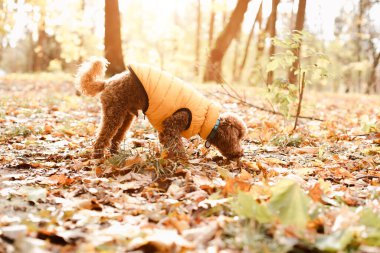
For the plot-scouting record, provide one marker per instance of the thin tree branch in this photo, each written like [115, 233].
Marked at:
[300, 96]
[243, 101]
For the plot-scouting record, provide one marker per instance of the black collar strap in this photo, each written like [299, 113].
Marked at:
[212, 134]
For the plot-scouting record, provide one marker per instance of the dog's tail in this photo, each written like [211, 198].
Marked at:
[90, 77]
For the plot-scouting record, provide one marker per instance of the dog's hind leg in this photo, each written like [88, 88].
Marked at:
[118, 138]
[111, 122]
[170, 137]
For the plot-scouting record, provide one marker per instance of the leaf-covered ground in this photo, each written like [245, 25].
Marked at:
[316, 190]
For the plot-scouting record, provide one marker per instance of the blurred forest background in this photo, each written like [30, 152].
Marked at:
[309, 180]
[198, 40]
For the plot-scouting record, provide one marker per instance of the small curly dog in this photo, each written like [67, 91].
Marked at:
[173, 107]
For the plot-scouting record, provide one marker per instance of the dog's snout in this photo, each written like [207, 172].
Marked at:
[235, 155]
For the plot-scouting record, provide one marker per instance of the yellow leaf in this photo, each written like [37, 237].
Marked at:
[274, 161]
[244, 175]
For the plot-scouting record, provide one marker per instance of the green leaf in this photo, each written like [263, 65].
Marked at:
[369, 218]
[336, 241]
[372, 237]
[224, 173]
[290, 203]
[272, 65]
[370, 127]
[246, 206]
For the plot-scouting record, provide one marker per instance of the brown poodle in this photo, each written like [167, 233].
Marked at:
[174, 108]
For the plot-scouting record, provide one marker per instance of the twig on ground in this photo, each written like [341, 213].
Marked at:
[368, 177]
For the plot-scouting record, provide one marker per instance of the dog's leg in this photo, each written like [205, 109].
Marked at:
[118, 138]
[170, 137]
[111, 122]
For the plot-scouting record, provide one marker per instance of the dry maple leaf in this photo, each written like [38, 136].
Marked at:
[61, 179]
[234, 184]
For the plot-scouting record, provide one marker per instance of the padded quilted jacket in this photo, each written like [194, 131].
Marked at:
[168, 94]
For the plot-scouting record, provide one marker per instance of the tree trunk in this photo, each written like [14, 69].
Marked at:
[371, 86]
[359, 21]
[212, 24]
[271, 27]
[38, 51]
[112, 38]
[214, 63]
[198, 37]
[236, 56]
[249, 39]
[298, 27]
[260, 45]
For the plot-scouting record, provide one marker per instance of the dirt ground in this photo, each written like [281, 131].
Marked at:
[55, 198]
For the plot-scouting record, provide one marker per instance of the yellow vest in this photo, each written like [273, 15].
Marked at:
[167, 94]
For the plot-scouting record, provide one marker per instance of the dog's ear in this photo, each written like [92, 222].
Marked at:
[236, 122]
[242, 128]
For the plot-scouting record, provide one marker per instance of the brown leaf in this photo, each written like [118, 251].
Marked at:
[245, 175]
[98, 172]
[316, 193]
[234, 184]
[342, 173]
[48, 129]
[250, 165]
[263, 169]
[135, 160]
[61, 179]
[273, 161]
[68, 132]
[90, 204]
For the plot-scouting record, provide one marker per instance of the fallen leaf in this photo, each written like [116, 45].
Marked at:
[135, 160]
[316, 193]
[306, 150]
[290, 203]
[245, 205]
[245, 175]
[48, 129]
[336, 241]
[233, 185]
[61, 179]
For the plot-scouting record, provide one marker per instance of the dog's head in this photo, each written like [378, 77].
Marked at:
[228, 136]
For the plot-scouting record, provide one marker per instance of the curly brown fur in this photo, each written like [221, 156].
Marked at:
[119, 137]
[123, 96]
[227, 139]
[88, 75]
[171, 137]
